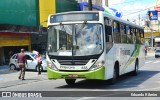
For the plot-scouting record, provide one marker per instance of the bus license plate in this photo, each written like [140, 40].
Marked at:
[72, 75]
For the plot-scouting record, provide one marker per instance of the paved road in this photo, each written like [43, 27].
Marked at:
[147, 80]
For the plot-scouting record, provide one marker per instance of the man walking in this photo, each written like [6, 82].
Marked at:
[21, 63]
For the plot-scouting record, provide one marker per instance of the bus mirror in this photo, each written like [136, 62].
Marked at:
[108, 30]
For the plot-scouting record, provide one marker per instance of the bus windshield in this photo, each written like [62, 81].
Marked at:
[75, 39]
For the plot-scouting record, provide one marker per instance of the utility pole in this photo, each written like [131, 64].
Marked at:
[90, 5]
[106, 3]
[139, 19]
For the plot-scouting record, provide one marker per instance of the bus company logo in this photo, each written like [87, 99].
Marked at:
[6, 94]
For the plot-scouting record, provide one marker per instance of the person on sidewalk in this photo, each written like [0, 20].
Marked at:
[39, 62]
[145, 51]
[21, 59]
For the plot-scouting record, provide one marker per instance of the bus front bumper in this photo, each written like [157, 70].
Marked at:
[96, 74]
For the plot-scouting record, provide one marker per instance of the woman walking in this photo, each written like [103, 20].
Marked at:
[39, 62]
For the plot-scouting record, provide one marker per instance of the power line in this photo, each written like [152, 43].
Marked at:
[124, 2]
[138, 11]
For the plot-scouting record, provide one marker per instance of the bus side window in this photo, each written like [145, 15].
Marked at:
[108, 33]
[123, 33]
[142, 36]
[116, 32]
[129, 35]
[138, 37]
[108, 30]
[133, 35]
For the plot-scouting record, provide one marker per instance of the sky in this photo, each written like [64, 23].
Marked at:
[131, 9]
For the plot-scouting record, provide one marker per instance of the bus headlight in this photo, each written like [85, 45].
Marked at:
[97, 65]
[51, 65]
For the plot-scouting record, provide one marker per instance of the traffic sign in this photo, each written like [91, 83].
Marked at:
[153, 15]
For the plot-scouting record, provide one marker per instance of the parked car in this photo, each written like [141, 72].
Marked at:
[31, 61]
[157, 53]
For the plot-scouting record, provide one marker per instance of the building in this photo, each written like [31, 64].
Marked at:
[151, 30]
[20, 21]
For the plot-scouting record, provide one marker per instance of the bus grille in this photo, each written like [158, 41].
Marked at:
[73, 62]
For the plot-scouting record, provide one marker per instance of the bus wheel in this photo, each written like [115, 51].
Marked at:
[70, 81]
[115, 76]
[135, 72]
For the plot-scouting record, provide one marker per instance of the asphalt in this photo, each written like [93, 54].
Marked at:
[8, 79]
[150, 53]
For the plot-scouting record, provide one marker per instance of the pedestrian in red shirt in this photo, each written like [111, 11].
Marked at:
[21, 63]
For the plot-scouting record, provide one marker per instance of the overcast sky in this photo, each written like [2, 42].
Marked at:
[132, 8]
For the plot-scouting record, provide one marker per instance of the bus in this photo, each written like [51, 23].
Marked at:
[92, 45]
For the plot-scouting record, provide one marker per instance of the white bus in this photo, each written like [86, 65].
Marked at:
[92, 45]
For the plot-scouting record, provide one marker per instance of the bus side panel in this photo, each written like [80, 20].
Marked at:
[109, 65]
[142, 56]
[130, 53]
[126, 55]
[135, 52]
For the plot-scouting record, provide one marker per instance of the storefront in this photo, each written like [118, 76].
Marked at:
[27, 16]
[13, 42]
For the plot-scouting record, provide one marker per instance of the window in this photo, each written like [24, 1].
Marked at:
[123, 34]
[108, 30]
[14, 56]
[138, 36]
[142, 36]
[129, 35]
[133, 35]
[28, 57]
[116, 32]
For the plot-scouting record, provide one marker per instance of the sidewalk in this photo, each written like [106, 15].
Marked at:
[10, 77]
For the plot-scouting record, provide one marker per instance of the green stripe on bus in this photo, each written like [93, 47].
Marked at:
[133, 56]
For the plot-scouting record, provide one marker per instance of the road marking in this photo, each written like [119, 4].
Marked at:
[150, 89]
[152, 62]
[156, 62]
[85, 98]
[148, 61]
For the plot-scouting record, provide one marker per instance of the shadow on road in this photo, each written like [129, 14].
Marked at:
[124, 81]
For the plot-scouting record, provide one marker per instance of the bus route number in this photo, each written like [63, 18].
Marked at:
[84, 67]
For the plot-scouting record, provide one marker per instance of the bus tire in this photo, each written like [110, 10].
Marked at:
[70, 81]
[135, 72]
[115, 76]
